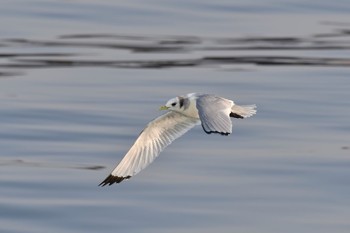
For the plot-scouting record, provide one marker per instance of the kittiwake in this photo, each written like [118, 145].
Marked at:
[211, 111]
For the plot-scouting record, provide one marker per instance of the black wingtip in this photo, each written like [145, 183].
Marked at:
[217, 132]
[113, 179]
[235, 115]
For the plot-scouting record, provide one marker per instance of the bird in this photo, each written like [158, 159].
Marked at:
[183, 113]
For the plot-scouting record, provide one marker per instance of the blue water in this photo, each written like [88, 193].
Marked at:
[80, 79]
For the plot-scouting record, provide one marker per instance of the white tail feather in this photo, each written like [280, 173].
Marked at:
[245, 110]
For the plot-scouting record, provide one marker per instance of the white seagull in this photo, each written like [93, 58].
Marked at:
[213, 112]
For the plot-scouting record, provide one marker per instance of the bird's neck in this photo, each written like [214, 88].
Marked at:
[191, 111]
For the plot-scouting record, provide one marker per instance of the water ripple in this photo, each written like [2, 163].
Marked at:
[145, 51]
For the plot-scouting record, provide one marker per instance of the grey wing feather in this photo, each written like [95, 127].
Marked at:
[214, 113]
[157, 135]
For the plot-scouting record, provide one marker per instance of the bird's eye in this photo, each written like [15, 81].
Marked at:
[173, 104]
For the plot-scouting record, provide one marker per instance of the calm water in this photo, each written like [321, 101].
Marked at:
[80, 79]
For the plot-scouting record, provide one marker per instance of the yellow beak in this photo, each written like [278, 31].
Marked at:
[164, 108]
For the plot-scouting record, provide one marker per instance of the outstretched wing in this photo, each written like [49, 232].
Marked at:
[157, 135]
[214, 113]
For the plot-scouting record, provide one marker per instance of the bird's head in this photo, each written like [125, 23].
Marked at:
[173, 104]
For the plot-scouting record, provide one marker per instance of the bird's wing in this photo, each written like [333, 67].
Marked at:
[214, 113]
[157, 135]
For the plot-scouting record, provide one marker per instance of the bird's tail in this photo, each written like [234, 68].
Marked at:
[243, 111]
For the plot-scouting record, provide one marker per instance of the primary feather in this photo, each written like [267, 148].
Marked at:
[157, 135]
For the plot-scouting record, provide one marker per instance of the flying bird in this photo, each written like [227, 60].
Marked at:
[184, 112]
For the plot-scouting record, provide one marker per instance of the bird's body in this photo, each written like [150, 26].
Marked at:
[185, 112]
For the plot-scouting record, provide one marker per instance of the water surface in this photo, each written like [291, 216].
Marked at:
[80, 79]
